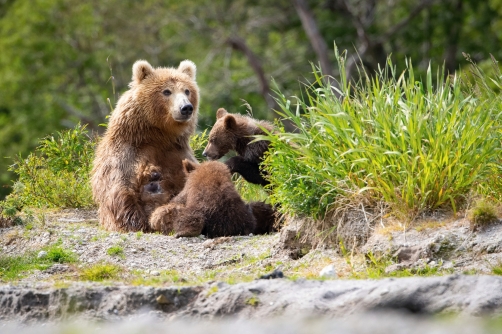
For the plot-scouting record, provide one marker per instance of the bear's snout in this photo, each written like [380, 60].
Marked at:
[186, 110]
[155, 176]
[211, 153]
[153, 188]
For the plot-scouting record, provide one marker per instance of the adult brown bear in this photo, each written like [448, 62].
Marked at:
[138, 163]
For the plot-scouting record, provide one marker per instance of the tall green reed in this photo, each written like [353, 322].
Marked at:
[391, 137]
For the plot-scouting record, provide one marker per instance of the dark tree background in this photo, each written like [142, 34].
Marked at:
[66, 61]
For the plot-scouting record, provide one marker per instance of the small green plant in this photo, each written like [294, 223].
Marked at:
[198, 143]
[253, 301]
[165, 277]
[55, 175]
[15, 267]
[483, 213]
[100, 272]
[139, 234]
[497, 269]
[212, 290]
[60, 255]
[115, 251]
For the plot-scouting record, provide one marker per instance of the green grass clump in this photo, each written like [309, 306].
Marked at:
[60, 255]
[100, 272]
[166, 277]
[483, 213]
[115, 251]
[198, 143]
[55, 175]
[497, 270]
[253, 301]
[15, 267]
[390, 137]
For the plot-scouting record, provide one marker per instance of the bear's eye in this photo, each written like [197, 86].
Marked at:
[187, 92]
[166, 92]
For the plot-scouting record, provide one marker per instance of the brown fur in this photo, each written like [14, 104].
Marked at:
[265, 216]
[208, 204]
[235, 132]
[146, 140]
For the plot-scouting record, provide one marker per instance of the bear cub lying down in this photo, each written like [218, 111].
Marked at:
[235, 132]
[210, 205]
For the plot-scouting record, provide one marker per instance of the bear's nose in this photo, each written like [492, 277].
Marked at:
[187, 109]
[204, 154]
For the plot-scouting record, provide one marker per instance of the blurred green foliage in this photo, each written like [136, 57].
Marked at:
[61, 60]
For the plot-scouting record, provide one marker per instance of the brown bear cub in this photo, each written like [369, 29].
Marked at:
[208, 205]
[138, 164]
[235, 132]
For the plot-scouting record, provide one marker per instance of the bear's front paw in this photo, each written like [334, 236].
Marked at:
[233, 164]
[162, 220]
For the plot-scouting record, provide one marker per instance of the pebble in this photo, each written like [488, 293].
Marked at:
[133, 250]
[328, 272]
[42, 254]
[154, 273]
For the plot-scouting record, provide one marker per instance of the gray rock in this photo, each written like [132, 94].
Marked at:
[464, 295]
[328, 272]
[42, 254]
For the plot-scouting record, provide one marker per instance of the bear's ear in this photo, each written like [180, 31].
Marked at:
[140, 70]
[188, 166]
[220, 113]
[230, 122]
[188, 67]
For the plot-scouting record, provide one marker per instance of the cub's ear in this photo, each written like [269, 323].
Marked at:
[230, 122]
[140, 70]
[188, 67]
[188, 166]
[220, 113]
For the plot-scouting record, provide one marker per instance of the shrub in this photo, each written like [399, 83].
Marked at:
[482, 213]
[115, 251]
[390, 137]
[60, 255]
[55, 175]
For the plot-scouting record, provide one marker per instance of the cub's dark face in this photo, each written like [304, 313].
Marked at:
[222, 137]
[220, 143]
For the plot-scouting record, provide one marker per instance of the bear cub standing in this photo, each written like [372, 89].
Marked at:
[210, 205]
[235, 132]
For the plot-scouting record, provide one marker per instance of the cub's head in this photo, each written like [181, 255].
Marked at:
[223, 136]
[168, 97]
[206, 173]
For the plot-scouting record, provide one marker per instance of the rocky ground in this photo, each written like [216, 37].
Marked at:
[161, 277]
